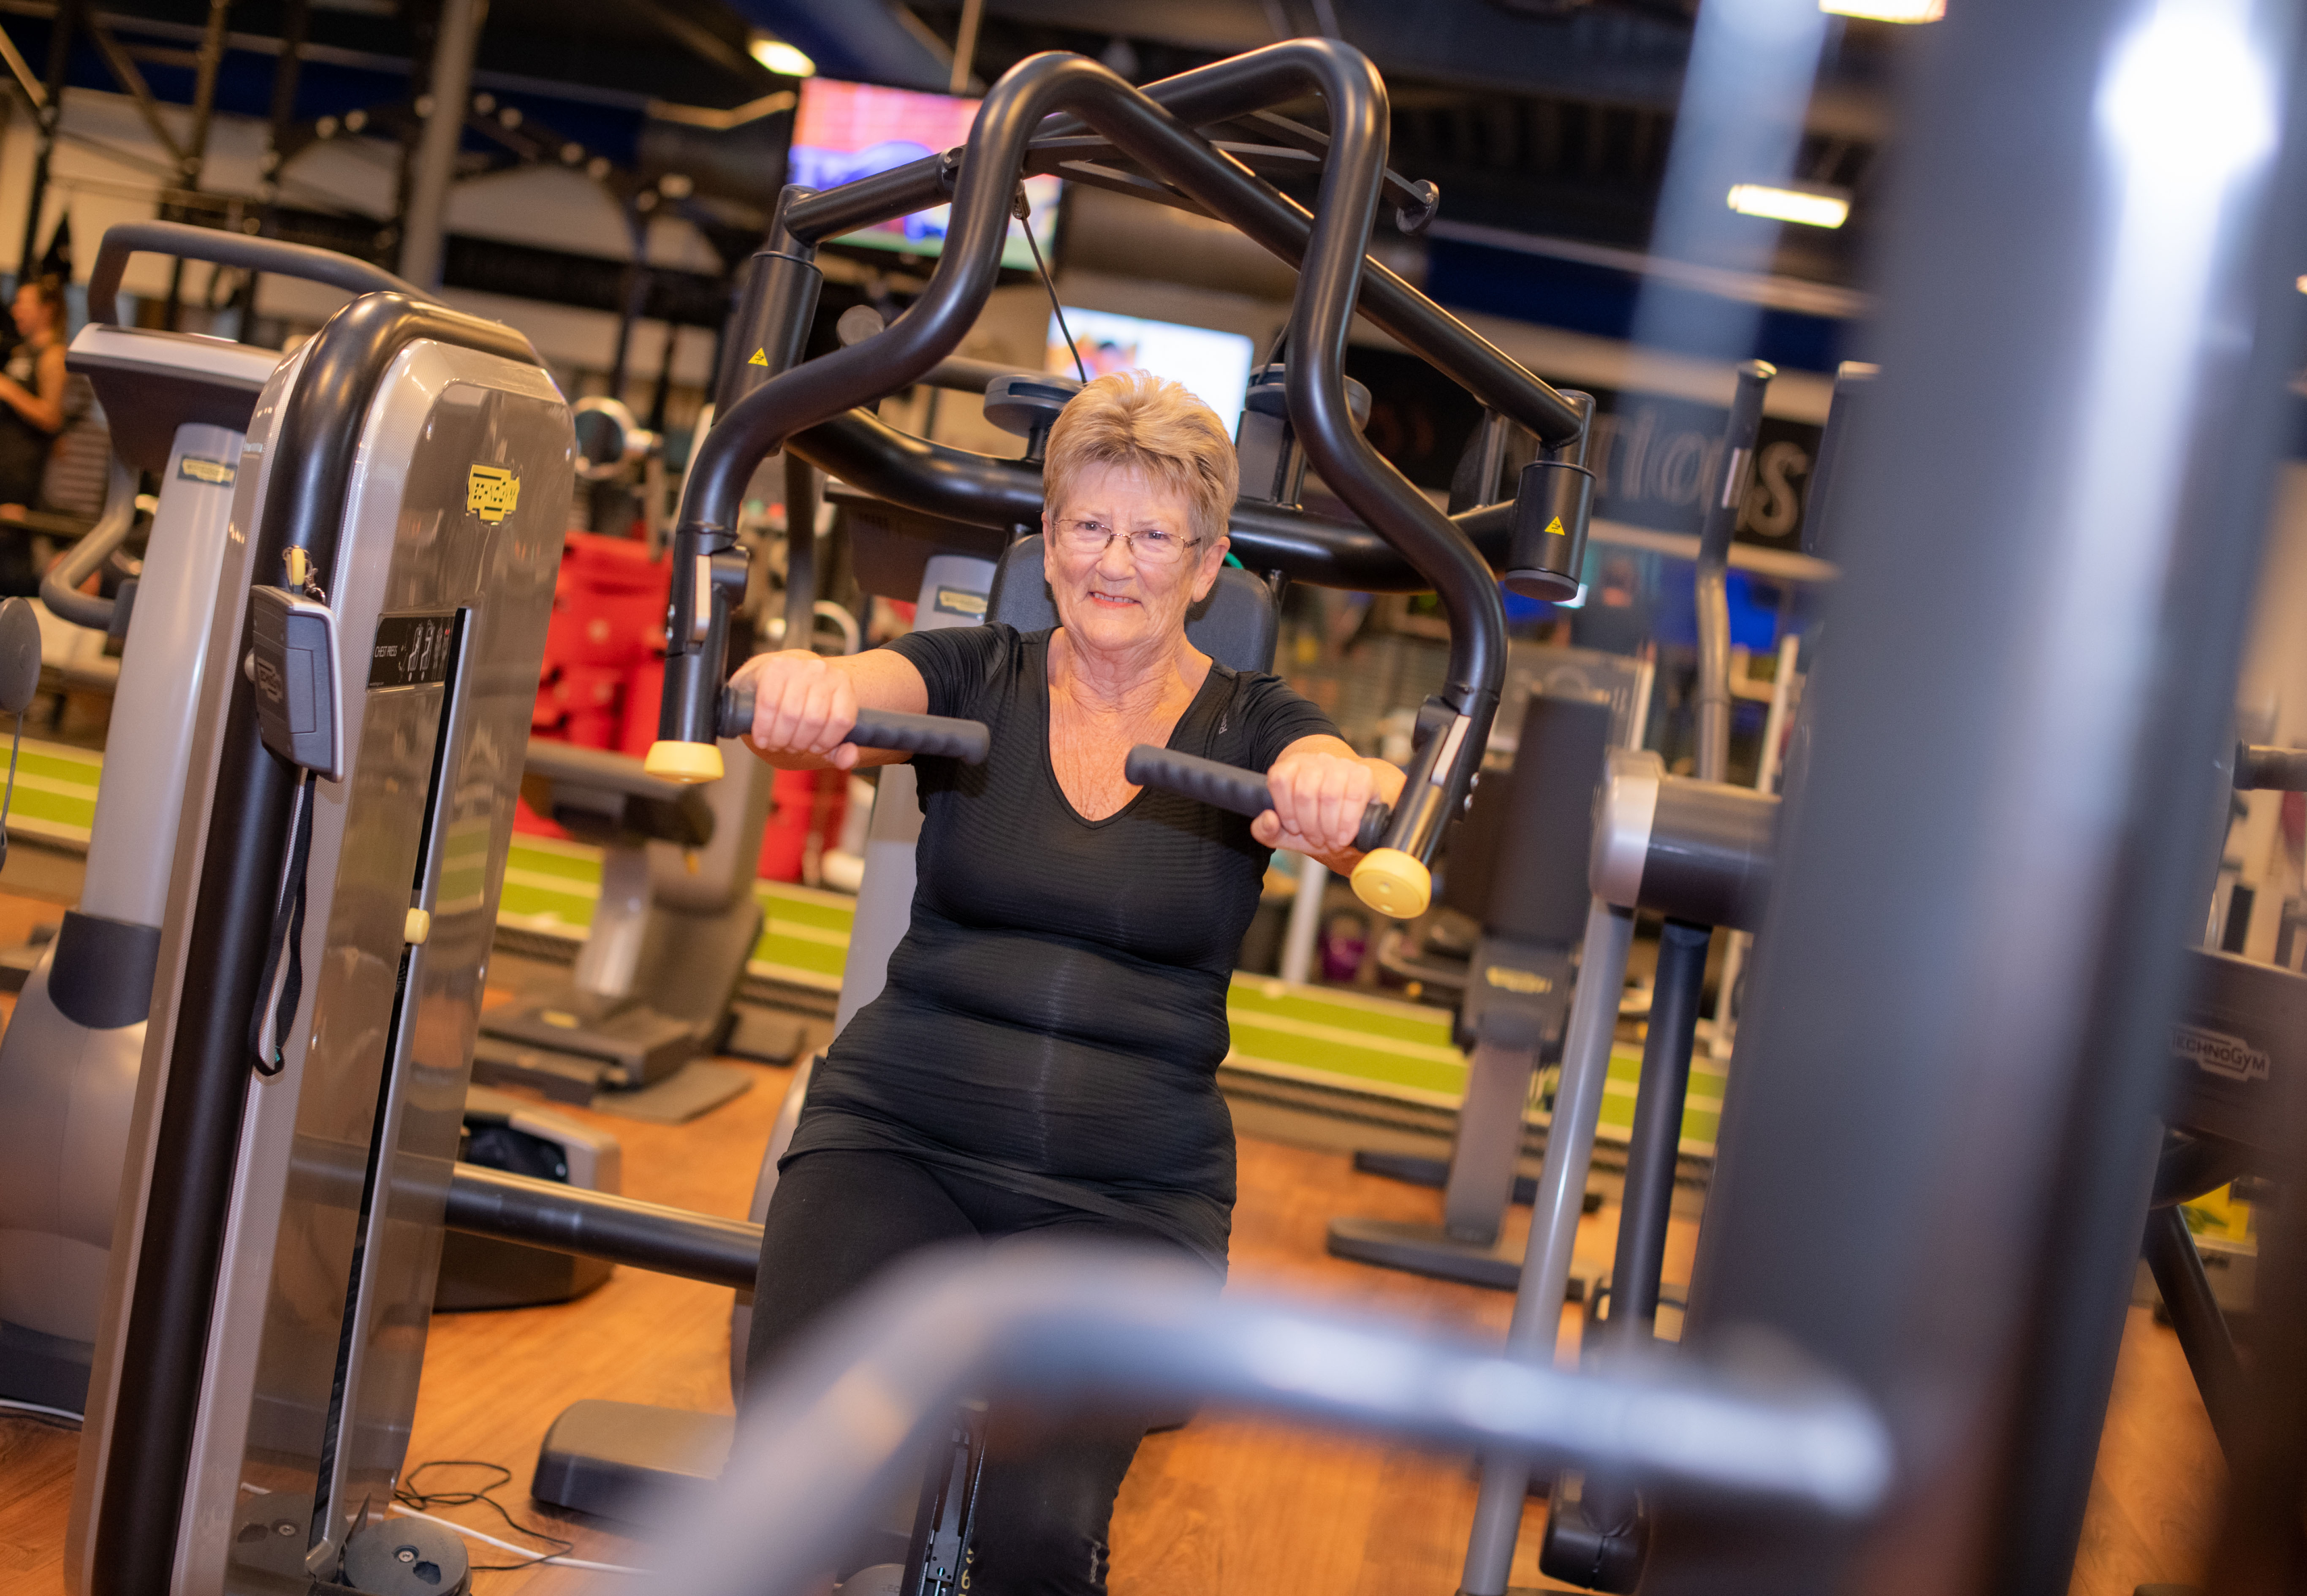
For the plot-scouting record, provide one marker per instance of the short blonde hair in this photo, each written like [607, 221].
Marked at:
[1139, 421]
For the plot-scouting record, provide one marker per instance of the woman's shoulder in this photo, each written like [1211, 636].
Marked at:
[1262, 714]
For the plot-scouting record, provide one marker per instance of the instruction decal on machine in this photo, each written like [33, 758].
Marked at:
[490, 491]
[1557, 528]
[960, 601]
[217, 473]
[759, 357]
[412, 649]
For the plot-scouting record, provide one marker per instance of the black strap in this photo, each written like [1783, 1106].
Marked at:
[287, 945]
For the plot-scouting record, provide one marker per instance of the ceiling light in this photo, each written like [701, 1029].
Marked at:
[1810, 208]
[782, 58]
[1887, 11]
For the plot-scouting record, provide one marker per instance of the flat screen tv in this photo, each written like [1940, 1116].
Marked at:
[1216, 366]
[844, 131]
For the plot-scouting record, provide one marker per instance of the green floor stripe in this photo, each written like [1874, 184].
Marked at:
[74, 814]
[1355, 1041]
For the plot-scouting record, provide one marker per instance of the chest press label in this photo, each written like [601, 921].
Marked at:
[215, 473]
[491, 493]
[960, 601]
[2215, 1053]
[411, 650]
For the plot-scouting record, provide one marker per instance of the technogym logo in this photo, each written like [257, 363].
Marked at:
[2214, 1052]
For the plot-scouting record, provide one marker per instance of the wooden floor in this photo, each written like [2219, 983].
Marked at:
[1225, 1507]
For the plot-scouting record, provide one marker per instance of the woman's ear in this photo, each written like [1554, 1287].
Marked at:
[1212, 562]
[1049, 549]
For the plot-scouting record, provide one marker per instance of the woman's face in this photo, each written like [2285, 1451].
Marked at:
[30, 311]
[1113, 591]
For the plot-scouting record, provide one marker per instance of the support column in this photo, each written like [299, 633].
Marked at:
[64, 31]
[425, 227]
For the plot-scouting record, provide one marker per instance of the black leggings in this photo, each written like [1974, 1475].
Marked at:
[837, 1221]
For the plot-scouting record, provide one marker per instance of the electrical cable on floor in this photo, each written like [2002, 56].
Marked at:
[10, 1408]
[558, 1559]
[407, 1500]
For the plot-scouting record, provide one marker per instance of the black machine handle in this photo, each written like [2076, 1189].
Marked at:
[1230, 787]
[275, 256]
[967, 741]
[2262, 768]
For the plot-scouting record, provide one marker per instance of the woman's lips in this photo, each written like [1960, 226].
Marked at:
[1110, 600]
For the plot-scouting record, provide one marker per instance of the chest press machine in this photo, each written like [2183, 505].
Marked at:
[291, 1214]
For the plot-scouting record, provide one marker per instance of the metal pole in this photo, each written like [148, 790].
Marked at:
[1555, 1212]
[47, 112]
[194, 154]
[295, 22]
[1982, 892]
[1305, 927]
[1766, 780]
[1655, 1142]
[435, 166]
[801, 551]
[2201, 1327]
[964, 44]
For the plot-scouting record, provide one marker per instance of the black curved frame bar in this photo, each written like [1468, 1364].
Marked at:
[1332, 256]
[276, 256]
[982, 490]
[164, 1342]
[1220, 92]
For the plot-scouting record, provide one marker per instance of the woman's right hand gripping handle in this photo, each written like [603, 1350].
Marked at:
[799, 705]
[1244, 793]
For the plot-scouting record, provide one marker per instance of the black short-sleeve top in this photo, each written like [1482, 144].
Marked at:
[1056, 1013]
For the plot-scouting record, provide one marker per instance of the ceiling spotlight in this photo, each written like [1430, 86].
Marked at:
[782, 58]
[1887, 11]
[1805, 206]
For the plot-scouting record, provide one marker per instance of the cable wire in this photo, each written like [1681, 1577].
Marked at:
[1023, 212]
[409, 1500]
[558, 1559]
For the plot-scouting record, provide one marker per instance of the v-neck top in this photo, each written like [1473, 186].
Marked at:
[1055, 1015]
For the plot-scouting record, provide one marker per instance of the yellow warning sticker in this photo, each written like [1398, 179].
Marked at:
[1555, 527]
[759, 357]
[490, 491]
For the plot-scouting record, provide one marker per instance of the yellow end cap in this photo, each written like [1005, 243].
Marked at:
[685, 763]
[416, 928]
[1394, 883]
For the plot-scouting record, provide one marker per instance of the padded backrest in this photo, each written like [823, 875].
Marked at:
[1236, 625]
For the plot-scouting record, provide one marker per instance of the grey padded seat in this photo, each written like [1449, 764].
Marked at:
[1236, 625]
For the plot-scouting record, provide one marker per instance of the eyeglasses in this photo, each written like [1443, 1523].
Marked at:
[1153, 548]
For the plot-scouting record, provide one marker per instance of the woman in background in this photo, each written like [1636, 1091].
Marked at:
[31, 415]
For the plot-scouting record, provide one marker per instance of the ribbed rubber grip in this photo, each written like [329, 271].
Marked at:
[967, 741]
[1228, 787]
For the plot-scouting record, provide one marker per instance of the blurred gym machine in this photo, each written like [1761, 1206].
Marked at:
[1517, 862]
[359, 723]
[656, 982]
[178, 406]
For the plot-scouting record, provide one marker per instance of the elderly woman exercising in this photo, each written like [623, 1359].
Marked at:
[1043, 1059]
